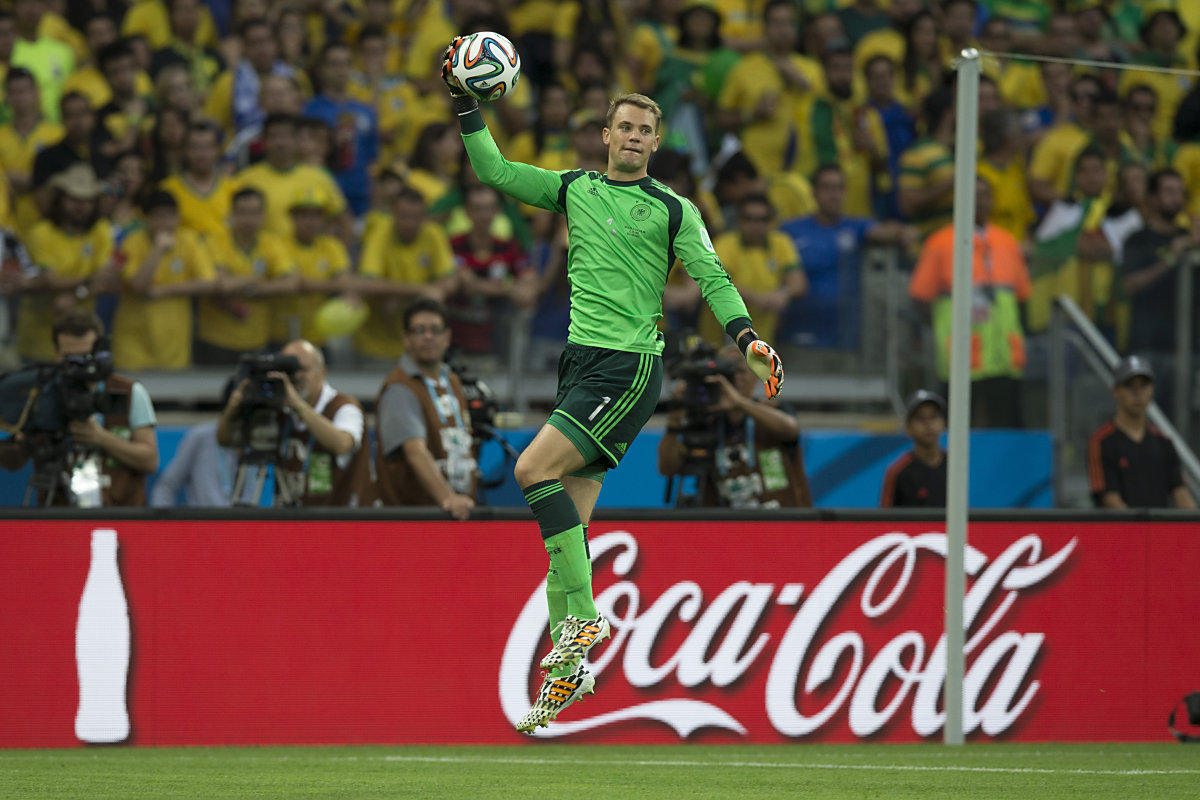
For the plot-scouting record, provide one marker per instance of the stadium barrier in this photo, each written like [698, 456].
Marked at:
[286, 628]
[845, 468]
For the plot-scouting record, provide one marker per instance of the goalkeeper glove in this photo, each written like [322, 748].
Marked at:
[763, 361]
[463, 102]
[456, 88]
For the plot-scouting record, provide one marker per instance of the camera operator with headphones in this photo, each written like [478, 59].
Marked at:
[743, 452]
[321, 454]
[119, 437]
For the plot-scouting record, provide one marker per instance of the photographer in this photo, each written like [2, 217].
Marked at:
[744, 452]
[121, 436]
[426, 452]
[322, 453]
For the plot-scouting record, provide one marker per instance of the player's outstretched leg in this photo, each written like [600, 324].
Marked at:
[555, 695]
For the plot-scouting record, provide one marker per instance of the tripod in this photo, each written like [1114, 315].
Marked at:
[260, 461]
[55, 458]
[699, 467]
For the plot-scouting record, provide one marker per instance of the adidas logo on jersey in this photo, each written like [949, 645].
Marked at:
[621, 447]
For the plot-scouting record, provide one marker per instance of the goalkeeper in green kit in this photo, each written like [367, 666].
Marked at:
[625, 231]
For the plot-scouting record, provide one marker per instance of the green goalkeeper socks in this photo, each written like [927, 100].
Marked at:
[556, 603]
[568, 558]
[563, 537]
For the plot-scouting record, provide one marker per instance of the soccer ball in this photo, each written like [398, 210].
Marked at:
[487, 65]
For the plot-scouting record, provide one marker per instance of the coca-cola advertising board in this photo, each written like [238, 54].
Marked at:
[224, 632]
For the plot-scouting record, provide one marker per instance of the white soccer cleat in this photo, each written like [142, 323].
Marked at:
[577, 637]
[555, 695]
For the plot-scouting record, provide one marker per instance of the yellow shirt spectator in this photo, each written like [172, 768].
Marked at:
[926, 163]
[1053, 157]
[17, 154]
[67, 256]
[757, 269]
[403, 113]
[741, 20]
[1011, 207]
[149, 18]
[280, 186]
[424, 260]
[89, 82]
[1187, 163]
[791, 195]
[156, 333]
[324, 260]
[754, 80]
[250, 329]
[204, 213]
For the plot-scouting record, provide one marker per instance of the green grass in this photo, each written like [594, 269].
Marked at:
[744, 772]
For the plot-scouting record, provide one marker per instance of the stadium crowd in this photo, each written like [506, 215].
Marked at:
[207, 176]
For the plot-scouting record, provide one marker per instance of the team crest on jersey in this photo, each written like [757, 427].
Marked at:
[176, 266]
[708, 245]
[640, 212]
[260, 266]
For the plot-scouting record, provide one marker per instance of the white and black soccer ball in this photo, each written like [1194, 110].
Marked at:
[487, 65]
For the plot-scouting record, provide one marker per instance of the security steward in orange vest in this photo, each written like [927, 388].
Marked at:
[325, 458]
[122, 436]
[427, 455]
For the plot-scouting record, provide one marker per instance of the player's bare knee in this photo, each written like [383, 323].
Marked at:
[528, 472]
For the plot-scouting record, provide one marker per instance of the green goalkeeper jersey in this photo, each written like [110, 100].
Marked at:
[623, 239]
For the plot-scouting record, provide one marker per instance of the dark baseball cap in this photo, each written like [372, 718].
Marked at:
[1131, 367]
[920, 398]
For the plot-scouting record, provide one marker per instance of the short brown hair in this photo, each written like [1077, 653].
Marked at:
[633, 99]
[76, 323]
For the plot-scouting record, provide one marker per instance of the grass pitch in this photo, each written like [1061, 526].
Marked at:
[630, 773]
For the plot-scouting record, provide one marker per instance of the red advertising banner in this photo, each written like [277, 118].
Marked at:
[429, 632]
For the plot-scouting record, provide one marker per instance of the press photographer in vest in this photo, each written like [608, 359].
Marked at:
[323, 457]
[103, 459]
[426, 450]
[742, 452]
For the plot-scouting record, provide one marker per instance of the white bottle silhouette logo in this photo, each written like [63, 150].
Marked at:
[102, 647]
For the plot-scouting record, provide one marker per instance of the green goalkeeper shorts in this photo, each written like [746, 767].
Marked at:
[604, 399]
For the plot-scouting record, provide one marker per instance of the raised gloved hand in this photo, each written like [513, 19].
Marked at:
[764, 362]
[456, 88]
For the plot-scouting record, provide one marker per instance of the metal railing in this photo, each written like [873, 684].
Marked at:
[1069, 325]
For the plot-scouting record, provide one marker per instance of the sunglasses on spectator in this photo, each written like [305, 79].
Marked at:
[430, 330]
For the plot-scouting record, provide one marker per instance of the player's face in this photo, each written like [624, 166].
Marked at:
[631, 139]
[1134, 396]
[926, 424]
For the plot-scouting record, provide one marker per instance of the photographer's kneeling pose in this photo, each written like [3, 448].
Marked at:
[283, 412]
[728, 447]
[89, 431]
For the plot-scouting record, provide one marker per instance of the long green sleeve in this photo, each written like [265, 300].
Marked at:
[529, 184]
